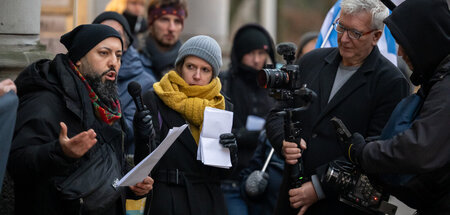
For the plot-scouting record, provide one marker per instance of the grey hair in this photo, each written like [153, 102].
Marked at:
[375, 7]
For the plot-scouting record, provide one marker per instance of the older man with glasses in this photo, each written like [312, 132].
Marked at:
[355, 83]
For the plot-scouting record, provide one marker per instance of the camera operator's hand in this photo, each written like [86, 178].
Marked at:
[143, 126]
[229, 141]
[291, 151]
[355, 147]
[303, 197]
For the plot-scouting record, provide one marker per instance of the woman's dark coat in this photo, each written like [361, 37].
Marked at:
[183, 185]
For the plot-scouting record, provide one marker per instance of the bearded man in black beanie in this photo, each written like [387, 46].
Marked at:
[252, 49]
[69, 112]
[131, 69]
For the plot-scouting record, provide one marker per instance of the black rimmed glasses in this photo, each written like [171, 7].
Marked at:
[352, 33]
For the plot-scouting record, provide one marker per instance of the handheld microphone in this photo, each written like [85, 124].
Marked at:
[135, 89]
[257, 181]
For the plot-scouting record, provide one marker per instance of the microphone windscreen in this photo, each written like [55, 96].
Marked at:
[286, 48]
[256, 184]
[134, 89]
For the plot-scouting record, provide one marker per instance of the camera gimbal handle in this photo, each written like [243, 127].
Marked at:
[292, 130]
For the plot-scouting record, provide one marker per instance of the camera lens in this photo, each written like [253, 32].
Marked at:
[272, 78]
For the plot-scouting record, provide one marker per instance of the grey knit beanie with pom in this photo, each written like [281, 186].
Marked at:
[203, 47]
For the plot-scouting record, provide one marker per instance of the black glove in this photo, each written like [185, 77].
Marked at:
[143, 127]
[229, 141]
[355, 147]
[256, 183]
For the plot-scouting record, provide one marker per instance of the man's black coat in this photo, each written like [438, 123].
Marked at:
[50, 93]
[183, 184]
[364, 103]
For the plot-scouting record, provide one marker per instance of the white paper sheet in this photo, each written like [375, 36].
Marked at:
[255, 123]
[210, 151]
[143, 168]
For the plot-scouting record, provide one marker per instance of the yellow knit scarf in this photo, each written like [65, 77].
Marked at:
[189, 101]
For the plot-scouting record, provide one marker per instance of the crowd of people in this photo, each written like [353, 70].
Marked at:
[77, 130]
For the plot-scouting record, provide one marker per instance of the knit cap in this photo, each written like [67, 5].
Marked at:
[83, 38]
[250, 39]
[203, 47]
[111, 15]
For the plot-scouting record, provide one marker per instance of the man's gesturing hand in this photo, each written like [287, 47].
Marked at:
[78, 145]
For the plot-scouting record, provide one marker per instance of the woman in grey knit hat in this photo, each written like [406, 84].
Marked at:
[183, 185]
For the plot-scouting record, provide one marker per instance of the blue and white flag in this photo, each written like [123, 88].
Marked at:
[328, 36]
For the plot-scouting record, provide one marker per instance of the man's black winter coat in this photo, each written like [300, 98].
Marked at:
[364, 103]
[51, 93]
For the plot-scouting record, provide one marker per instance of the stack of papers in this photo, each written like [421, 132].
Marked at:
[210, 151]
[143, 169]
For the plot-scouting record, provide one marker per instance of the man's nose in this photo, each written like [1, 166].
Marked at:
[345, 36]
[172, 25]
[114, 62]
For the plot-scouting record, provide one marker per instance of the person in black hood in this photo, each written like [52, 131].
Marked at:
[134, 13]
[68, 113]
[422, 150]
[252, 49]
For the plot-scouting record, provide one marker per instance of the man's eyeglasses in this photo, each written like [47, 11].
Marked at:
[352, 33]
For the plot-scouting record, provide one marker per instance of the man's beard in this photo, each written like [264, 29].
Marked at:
[163, 44]
[106, 91]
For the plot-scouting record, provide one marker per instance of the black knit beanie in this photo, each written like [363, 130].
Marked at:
[108, 15]
[249, 40]
[83, 38]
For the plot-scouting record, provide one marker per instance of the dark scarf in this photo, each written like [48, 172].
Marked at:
[104, 112]
[247, 74]
[161, 61]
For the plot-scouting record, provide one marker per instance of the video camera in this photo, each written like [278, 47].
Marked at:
[285, 85]
[354, 187]
[284, 81]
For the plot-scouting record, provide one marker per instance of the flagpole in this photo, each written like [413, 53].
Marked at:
[329, 31]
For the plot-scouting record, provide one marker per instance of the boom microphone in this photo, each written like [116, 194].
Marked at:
[135, 89]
